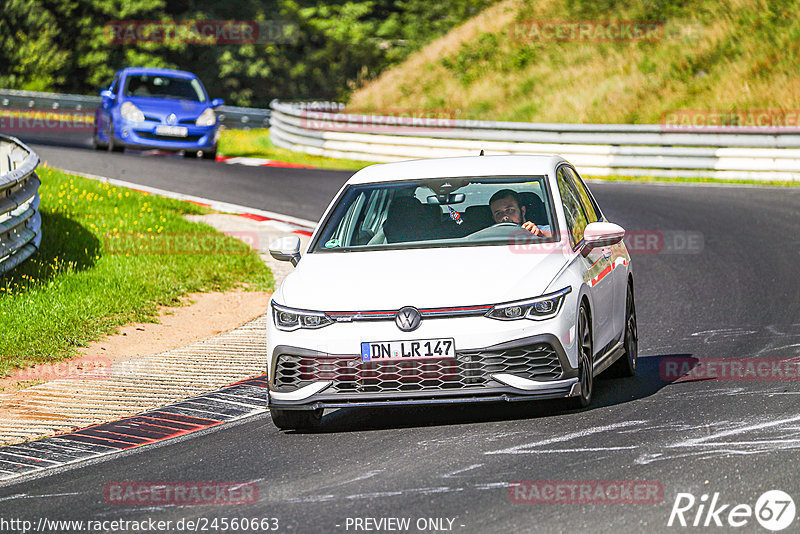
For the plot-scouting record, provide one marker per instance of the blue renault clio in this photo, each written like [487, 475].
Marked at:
[157, 108]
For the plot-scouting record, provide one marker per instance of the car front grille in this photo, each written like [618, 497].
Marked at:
[468, 370]
[150, 135]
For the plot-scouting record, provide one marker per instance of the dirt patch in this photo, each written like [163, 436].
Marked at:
[204, 316]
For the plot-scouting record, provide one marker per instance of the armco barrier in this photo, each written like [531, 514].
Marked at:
[229, 116]
[595, 149]
[20, 222]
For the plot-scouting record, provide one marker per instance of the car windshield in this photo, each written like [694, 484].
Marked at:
[438, 212]
[164, 87]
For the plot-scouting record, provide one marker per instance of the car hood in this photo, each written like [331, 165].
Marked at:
[423, 278]
[160, 108]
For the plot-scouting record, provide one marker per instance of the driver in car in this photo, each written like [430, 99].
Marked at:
[506, 207]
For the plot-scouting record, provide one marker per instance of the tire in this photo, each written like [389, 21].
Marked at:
[96, 144]
[210, 154]
[625, 366]
[190, 154]
[585, 361]
[296, 419]
[113, 146]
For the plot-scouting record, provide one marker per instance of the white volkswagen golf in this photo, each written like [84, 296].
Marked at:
[473, 279]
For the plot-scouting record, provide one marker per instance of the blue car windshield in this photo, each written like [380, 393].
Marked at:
[148, 86]
[441, 212]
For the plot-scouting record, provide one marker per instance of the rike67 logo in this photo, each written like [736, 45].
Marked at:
[774, 510]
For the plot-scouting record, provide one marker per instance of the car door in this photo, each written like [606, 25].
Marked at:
[616, 255]
[595, 265]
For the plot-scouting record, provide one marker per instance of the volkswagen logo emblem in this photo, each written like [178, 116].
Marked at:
[407, 319]
[171, 118]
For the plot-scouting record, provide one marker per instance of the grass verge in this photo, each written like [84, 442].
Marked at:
[257, 144]
[110, 256]
[729, 59]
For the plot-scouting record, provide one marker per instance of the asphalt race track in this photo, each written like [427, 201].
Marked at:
[728, 289]
[291, 191]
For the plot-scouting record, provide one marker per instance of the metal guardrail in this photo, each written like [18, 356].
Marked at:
[20, 222]
[229, 116]
[325, 129]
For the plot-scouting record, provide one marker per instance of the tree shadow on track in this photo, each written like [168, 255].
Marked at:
[649, 379]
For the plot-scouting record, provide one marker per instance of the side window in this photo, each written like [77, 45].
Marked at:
[592, 214]
[573, 211]
[344, 232]
[373, 217]
[362, 220]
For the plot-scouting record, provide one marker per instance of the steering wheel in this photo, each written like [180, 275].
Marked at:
[489, 229]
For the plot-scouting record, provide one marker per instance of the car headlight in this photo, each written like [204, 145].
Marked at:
[130, 112]
[291, 319]
[539, 308]
[207, 118]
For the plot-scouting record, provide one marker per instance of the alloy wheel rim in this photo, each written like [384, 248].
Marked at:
[585, 356]
[632, 344]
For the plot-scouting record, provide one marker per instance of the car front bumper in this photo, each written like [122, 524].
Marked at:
[501, 372]
[143, 135]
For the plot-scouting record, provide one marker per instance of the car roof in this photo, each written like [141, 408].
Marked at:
[157, 71]
[522, 165]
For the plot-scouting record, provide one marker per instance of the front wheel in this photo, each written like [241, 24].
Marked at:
[96, 143]
[626, 364]
[585, 361]
[209, 154]
[296, 419]
[113, 145]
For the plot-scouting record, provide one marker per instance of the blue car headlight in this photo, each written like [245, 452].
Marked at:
[289, 319]
[130, 112]
[539, 308]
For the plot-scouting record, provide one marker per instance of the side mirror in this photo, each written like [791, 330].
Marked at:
[602, 234]
[217, 102]
[286, 249]
[107, 94]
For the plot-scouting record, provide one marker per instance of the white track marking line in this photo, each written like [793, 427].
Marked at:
[522, 449]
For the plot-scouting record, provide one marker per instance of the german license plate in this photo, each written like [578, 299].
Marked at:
[418, 349]
[173, 131]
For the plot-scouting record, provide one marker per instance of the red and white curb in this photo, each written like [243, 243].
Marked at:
[261, 162]
[282, 222]
[237, 160]
[244, 399]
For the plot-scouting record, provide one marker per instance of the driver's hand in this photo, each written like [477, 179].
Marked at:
[535, 230]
